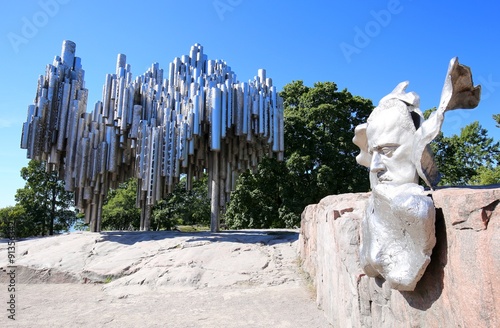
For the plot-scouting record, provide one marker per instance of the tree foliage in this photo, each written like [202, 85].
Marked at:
[260, 199]
[496, 117]
[43, 205]
[469, 158]
[119, 211]
[318, 138]
[181, 207]
[489, 175]
[486, 176]
[319, 158]
[14, 217]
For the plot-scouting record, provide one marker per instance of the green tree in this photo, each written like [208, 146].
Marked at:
[119, 211]
[189, 207]
[260, 199]
[47, 206]
[486, 176]
[496, 117]
[182, 206]
[318, 138]
[469, 158]
[319, 158]
[198, 202]
[80, 224]
[14, 217]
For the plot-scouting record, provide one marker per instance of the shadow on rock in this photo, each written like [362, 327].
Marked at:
[430, 287]
[265, 237]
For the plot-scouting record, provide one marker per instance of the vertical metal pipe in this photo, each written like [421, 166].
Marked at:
[214, 201]
[224, 111]
[121, 61]
[261, 73]
[275, 125]
[196, 112]
[216, 119]
[261, 113]
[245, 114]
[68, 53]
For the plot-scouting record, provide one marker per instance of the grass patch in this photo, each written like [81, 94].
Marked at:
[308, 280]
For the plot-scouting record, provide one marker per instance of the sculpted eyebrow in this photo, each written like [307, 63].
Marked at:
[387, 145]
[379, 147]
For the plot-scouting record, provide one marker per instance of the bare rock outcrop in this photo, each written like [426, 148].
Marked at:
[152, 260]
[169, 279]
[460, 288]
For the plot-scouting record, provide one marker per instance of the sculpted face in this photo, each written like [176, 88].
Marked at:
[397, 232]
[390, 134]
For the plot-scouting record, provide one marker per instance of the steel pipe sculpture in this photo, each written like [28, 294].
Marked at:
[198, 119]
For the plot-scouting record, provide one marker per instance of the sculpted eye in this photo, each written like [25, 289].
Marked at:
[387, 150]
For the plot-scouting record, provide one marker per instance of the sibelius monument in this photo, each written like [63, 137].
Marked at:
[196, 118]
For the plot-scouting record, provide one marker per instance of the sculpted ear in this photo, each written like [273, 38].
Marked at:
[364, 158]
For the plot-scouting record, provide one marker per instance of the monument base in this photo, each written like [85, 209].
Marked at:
[460, 287]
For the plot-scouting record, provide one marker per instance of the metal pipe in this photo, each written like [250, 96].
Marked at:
[215, 124]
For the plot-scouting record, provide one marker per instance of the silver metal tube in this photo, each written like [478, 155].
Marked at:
[224, 111]
[276, 125]
[121, 62]
[216, 119]
[68, 53]
[245, 114]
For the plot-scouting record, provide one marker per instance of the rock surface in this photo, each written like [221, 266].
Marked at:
[161, 279]
[460, 288]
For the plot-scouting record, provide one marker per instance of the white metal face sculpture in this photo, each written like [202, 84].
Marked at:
[390, 145]
[397, 231]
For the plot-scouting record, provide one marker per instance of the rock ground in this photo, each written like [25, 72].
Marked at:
[160, 279]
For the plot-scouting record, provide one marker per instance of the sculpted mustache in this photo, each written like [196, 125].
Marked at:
[382, 176]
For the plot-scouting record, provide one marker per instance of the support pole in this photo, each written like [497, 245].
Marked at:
[98, 219]
[214, 184]
[145, 216]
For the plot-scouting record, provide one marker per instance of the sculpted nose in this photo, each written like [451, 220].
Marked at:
[376, 164]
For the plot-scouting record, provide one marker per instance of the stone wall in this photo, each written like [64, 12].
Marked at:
[460, 288]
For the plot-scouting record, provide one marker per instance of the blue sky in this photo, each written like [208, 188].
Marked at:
[367, 47]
